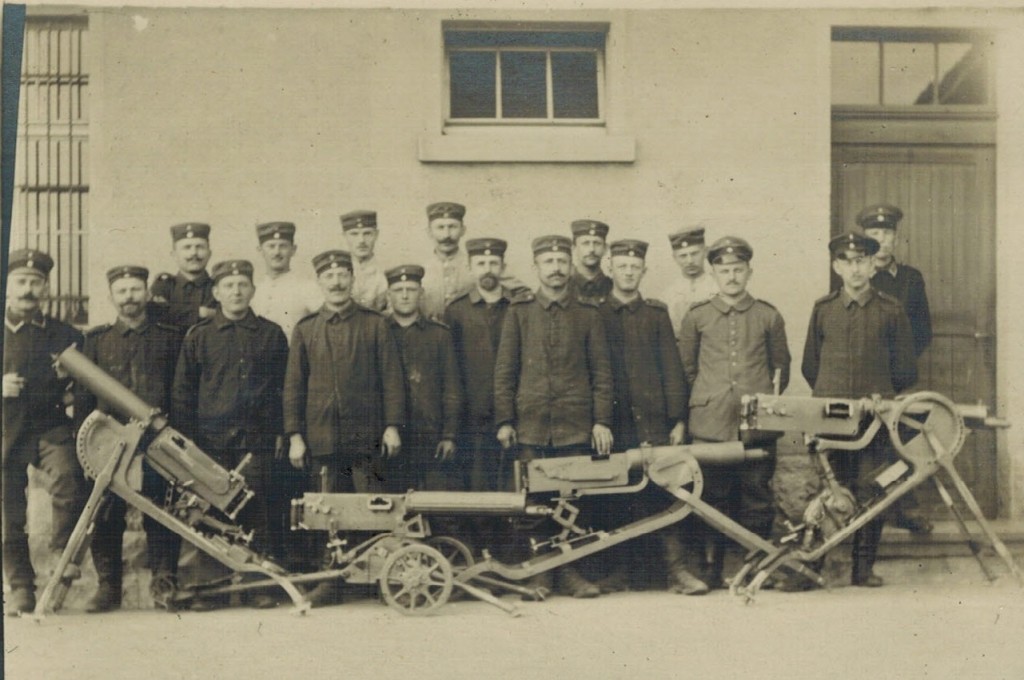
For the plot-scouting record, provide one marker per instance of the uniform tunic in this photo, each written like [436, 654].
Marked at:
[445, 278]
[553, 378]
[344, 383]
[728, 351]
[685, 291]
[649, 385]
[285, 299]
[370, 286]
[182, 298]
[906, 284]
[595, 290]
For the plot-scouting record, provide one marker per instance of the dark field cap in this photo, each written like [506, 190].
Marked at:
[31, 260]
[883, 216]
[446, 209]
[589, 228]
[359, 219]
[551, 244]
[190, 230]
[231, 268]
[727, 246]
[332, 259]
[684, 238]
[629, 246]
[852, 242]
[405, 272]
[486, 246]
[127, 271]
[275, 231]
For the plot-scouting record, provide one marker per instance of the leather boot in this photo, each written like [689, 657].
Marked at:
[21, 601]
[572, 583]
[325, 593]
[106, 598]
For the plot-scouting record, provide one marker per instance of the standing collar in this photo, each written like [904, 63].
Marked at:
[861, 300]
[447, 258]
[546, 301]
[617, 304]
[347, 310]
[222, 322]
[15, 322]
[745, 303]
[202, 279]
[124, 329]
[475, 297]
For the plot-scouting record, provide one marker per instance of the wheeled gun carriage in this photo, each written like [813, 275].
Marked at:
[416, 570]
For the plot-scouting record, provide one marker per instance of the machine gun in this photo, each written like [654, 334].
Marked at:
[926, 429]
[204, 499]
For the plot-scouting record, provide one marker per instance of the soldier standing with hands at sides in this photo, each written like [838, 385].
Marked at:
[433, 390]
[695, 284]
[588, 249]
[552, 378]
[36, 429]
[732, 345]
[184, 298]
[227, 397]
[859, 344]
[344, 395]
[447, 274]
[141, 355]
[283, 296]
[370, 285]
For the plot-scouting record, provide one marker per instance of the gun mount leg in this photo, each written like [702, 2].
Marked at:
[416, 579]
[947, 500]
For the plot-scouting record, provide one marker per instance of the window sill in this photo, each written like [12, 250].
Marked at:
[540, 146]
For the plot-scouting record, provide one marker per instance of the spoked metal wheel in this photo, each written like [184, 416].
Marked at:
[416, 579]
[455, 551]
[927, 426]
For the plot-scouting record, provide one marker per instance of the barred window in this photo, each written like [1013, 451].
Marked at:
[50, 209]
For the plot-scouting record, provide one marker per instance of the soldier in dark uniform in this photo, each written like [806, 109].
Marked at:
[588, 282]
[227, 397]
[859, 344]
[433, 390]
[552, 378]
[732, 345]
[36, 428]
[344, 397]
[906, 284]
[141, 355]
[184, 298]
[649, 405]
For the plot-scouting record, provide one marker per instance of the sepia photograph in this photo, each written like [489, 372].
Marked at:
[545, 338]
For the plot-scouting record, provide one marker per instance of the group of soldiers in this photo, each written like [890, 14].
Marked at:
[438, 375]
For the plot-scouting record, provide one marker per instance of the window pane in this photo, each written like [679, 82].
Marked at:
[472, 84]
[855, 73]
[574, 82]
[523, 85]
[909, 70]
[456, 38]
[962, 76]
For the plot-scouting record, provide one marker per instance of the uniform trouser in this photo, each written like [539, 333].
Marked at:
[487, 467]
[162, 544]
[853, 469]
[417, 466]
[52, 452]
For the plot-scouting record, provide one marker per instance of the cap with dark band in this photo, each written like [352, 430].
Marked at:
[332, 259]
[589, 228]
[359, 219]
[881, 216]
[231, 268]
[275, 231]
[127, 271]
[36, 261]
[729, 248]
[190, 230]
[405, 272]
[446, 209]
[852, 242]
[684, 238]
[551, 244]
[629, 246]
[486, 246]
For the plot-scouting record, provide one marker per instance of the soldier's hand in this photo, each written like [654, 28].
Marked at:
[678, 434]
[206, 312]
[297, 451]
[445, 450]
[507, 436]
[601, 438]
[13, 385]
[391, 443]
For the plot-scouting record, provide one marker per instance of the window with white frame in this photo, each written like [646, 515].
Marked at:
[525, 77]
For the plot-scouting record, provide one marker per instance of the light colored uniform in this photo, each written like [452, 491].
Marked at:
[285, 299]
[444, 279]
[681, 295]
[370, 286]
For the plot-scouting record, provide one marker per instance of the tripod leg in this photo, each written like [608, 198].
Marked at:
[947, 500]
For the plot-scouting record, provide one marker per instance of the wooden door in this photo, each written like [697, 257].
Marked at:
[947, 194]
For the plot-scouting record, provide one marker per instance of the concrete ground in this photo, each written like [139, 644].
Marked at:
[934, 622]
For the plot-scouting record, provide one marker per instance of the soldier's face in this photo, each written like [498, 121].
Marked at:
[627, 272]
[129, 297]
[732, 277]
[25, 290]
[361, 241]
[404, 297]
[192, 254]
[277, 254]
[886, 240]
[855, 269]
[487, 270]
[690, 260]
[234, 293]
[552, 269]
[589, 250]
[446, 232]
[336, 285]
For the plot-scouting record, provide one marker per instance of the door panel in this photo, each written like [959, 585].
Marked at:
[947, 195]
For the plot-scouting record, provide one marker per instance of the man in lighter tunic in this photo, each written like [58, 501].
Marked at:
[282, 296]
[370, 286]
[695, 284]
